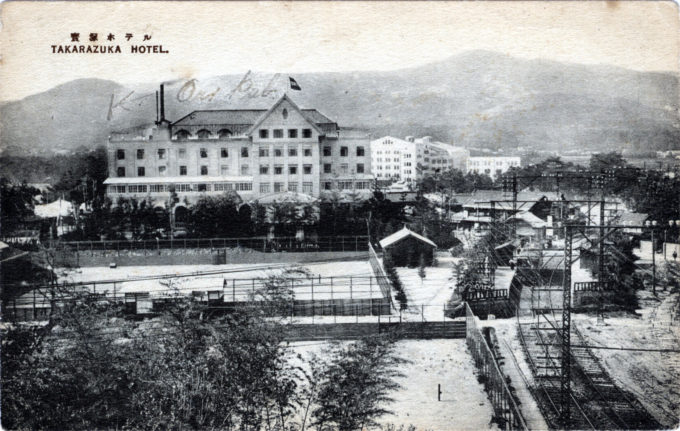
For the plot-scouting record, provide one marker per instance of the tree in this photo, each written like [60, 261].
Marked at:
[356, 383]
[421, 268]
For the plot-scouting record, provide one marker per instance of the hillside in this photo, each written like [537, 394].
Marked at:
[478, 98]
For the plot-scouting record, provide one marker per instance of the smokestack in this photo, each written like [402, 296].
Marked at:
[156, 107]
[162, 103]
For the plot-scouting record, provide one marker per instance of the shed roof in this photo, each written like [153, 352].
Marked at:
[403, 234]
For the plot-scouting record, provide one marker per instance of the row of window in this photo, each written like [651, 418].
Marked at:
[292, 170]
[278, 133]
[344, 168]
[307, 187]
[264, 170]
[183, 134]
[276, 187]
[263, 152]
[162, 188]
[347, 185]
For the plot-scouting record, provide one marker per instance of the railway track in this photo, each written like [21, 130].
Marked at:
[592, 389]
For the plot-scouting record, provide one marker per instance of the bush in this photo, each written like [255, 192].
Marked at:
[395, 281]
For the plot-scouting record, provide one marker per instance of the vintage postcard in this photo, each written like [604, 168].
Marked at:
[318, 215]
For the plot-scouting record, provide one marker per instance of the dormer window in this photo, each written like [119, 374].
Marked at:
[182, 135]
[204, 134]
[224, 134]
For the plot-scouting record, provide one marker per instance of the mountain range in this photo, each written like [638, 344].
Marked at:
[476, 99]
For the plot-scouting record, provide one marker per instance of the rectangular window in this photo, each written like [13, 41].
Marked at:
[308, 152]
[264, 133]
[292, 133]
[307, 133]
[360, 151]
[278, 170]
[278, 133]
[162, 170]
[278, 152]
[264, 152]
[182, 170]
[327, 168]
[327, 151]
[265, 188]
[344, 151]
[221, 187]
[244, 170]
[204, 153]
[292, 152]
[183, 187]
[224, 170]
[327, 185]
[202, 187]
[264, 169]
[244, 187]
[360, 168]
[141, 171]
[120, 189]
[345, 185]
[182, 153]
[344, 168]
[120, 171]
[161, 153]
[307, 187]
[293, 187]
[292, 170]
[157, 188]
[306, 169]
[278, 187]
[224, 153]
[120, 154]
[204, 170]
[244, 151]
[140, 154]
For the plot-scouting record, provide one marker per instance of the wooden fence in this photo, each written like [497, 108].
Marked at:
[506, 412]
[349, 331]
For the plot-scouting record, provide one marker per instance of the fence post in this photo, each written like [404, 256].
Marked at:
[356, 243]
[312, 292]
[233, 291]
[35, 317]
[350, 287]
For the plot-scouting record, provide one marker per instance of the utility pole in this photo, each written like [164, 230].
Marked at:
[653, 265]
[565, 375]
[600, 260]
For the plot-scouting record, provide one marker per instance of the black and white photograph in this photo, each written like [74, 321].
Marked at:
[340, 216]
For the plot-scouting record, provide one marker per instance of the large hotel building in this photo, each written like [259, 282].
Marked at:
[255, 152]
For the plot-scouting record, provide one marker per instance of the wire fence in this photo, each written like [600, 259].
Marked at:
[506, 411]
[379, 272]
[289, 244]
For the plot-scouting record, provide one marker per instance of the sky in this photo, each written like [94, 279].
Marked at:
[216, 38]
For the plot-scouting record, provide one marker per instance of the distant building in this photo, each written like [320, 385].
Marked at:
[410, 159]
[492, 166]
[255, 152]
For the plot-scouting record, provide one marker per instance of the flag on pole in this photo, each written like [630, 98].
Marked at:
[294, 85]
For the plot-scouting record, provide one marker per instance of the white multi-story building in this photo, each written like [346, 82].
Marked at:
[492, 166]
[411, 159]
[255, 152]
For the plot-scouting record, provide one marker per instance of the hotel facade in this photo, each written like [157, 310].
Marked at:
[254, 152]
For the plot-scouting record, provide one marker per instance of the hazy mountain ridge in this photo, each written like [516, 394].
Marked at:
[477, 98]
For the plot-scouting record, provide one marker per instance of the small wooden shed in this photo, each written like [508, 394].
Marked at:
[406, 247]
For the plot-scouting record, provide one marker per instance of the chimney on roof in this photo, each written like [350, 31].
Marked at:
[162, 103]
[156, 107]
